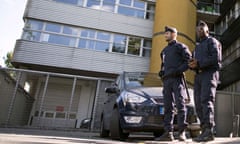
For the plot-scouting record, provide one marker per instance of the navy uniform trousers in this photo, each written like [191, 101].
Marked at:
[174, 91]
[204, 96]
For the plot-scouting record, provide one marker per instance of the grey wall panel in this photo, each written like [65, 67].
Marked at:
[90, 18]
[76, 58]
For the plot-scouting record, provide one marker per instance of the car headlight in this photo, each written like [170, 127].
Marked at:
[129, 97]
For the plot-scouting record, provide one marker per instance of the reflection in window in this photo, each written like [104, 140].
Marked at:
[58, 39]
[139, 4]
[119, 43]
[102, 46]
[147, 45]
[125, 2]
[95, 4]
[134, 45]
[70, 30]
[103, 36]
[131, 12]
[68, 1]
[31, 35]
[53, 27]
[34, 25]
[88, 33]
[108, 5]
[150, 11]
[84, 43]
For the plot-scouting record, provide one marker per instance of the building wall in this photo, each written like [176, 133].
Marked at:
[179, 14]
[17, 109]
[81, 59]
[86, 17]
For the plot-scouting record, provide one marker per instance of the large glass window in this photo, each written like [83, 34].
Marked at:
[102, 46]
[88, 33]
[53, 27]
[70, 30]
[85, 43]
[90, 39]
[31, 35]
[103, 36]
[68, 1]
[34, 25]
[125, 2]
[59, 39]
[93, 4]
[119, 43]
[147, 45]
[134, 8]
[108, 5]
[134, 46]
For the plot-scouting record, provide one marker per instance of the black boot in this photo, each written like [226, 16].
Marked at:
[182, 136]
[206, 135]
[167, 136]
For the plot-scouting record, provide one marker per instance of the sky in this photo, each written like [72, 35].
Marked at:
[11, 25]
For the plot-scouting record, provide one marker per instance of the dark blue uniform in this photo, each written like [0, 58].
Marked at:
[175, 59]
[209, 56]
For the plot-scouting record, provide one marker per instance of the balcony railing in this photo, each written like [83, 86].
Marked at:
[209, 8]
[231, 57]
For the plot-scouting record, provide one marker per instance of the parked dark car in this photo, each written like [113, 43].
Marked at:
[135, 104]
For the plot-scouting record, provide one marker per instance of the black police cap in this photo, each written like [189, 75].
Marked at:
[170, 29]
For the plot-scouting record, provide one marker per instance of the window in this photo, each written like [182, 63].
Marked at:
[150, 11]
[134, 45]
[86, 38]
[119, 43]
[102, 46]
[59, 39]
[108, 5]
[70, 30]
[34, 25]
[147, 45]
[95, 4]
[84, 43]
[31, 35]
[125, 2]
[88, 33]
[68, 1]
[53, 27]
[103, 36]
[134, 8]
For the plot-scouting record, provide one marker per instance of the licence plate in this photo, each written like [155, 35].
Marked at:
[161, 110]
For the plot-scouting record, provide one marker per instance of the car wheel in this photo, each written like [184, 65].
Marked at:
[195, 133]
[116, 131]
[103, 131]
[158, 133]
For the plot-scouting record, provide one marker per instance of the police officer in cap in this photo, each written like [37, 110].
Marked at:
[175, 57]
[206, 62]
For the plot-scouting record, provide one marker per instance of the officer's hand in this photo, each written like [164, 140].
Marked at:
[193, 63]
[161, 73]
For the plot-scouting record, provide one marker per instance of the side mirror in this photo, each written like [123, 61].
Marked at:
[112, 90]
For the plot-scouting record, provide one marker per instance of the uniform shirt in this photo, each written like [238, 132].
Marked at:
[208, 53]
[175, 58]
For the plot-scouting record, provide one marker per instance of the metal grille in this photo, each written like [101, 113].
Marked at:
[42, 99]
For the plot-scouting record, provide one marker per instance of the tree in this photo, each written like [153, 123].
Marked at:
[8, 59]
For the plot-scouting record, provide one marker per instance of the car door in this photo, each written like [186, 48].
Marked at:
[109, 104]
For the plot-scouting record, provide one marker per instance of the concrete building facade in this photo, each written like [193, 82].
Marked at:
[99, 39]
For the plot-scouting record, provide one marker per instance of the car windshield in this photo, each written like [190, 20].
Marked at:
[141, 79]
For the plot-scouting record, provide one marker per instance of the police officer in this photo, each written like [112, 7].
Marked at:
[175, 57]
[206, 62]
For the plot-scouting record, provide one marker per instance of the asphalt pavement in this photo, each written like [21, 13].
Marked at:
[83, 136]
